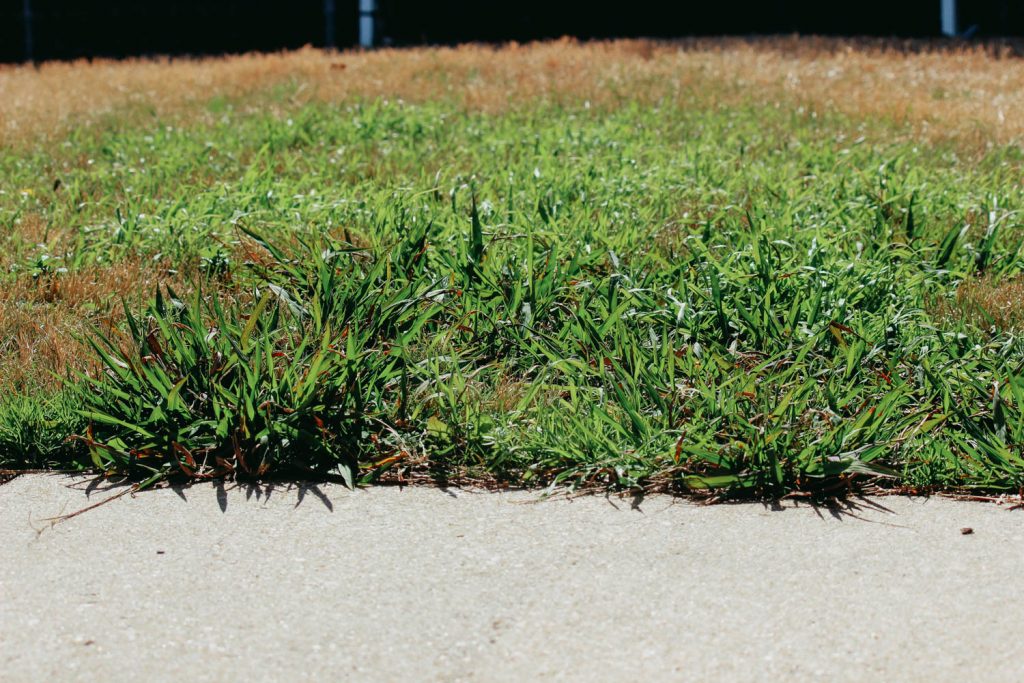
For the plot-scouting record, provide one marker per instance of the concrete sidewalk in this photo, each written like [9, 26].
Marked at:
[422, 585]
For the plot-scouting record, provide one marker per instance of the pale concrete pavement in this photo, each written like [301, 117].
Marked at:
[419, 584]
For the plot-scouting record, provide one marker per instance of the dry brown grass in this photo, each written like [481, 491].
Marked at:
[963, 91]
[987, 303]
[44, 318]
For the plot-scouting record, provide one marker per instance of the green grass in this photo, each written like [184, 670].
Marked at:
[741, 299]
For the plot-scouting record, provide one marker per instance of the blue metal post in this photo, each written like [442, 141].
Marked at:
[367, 12]
[26, 21]
[948, 17]
[328, 23]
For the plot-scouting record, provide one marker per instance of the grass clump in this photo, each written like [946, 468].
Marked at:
[294, 382]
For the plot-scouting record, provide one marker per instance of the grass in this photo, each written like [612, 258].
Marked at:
[628, 282]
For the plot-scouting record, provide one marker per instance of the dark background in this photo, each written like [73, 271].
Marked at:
[66, 29]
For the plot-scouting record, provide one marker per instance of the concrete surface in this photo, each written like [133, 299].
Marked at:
[423, 585]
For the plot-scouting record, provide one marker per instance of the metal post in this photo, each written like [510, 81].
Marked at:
[948, 17]
[367, 14]
[26, 21]
[329, 23]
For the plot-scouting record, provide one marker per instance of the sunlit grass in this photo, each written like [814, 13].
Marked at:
[743, 294]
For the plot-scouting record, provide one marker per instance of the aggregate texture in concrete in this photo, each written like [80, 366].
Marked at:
[297, 583]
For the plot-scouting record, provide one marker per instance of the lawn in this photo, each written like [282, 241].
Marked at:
[747, 268]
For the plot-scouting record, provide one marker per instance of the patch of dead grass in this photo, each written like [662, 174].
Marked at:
[43, 319]
[972, 92]
[986, 303]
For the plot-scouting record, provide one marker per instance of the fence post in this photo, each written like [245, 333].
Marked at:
[948, 17]
[367, 14]
[328, 23]
[26, 24]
